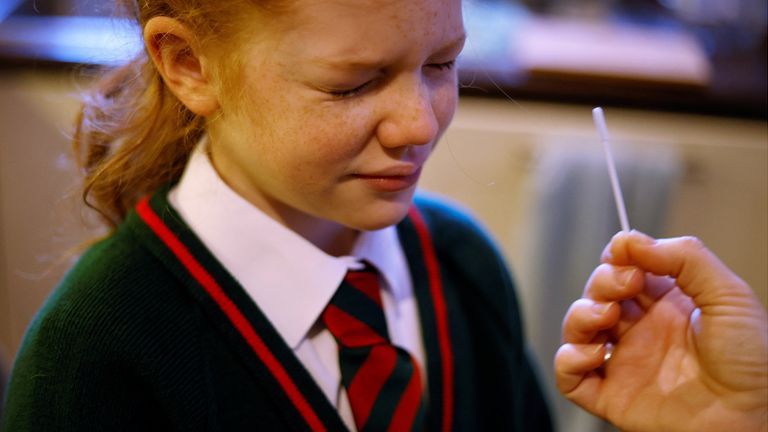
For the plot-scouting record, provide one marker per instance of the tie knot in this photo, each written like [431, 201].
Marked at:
[355, 316]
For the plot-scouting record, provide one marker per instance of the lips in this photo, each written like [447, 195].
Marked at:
[391, 180]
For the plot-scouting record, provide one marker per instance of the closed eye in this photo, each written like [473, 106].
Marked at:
[341, 94]
[350, 92]
[443, 66]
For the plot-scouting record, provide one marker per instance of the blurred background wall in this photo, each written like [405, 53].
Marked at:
[535, 174]
[682, 83]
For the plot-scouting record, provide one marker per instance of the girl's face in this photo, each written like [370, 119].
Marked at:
[340, 104]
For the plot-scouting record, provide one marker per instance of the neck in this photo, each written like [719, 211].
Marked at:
[330, 237]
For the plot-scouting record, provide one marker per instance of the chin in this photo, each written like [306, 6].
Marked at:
[379, 216]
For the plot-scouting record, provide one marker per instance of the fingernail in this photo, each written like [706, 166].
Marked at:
[601, 308]
[623, 276]
[597, 348]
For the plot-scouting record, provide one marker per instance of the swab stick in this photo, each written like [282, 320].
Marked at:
[602, 129]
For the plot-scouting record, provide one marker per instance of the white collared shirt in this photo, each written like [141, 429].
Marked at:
[289, 278]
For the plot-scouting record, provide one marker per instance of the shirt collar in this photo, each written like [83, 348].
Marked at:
[289, 278]
[377, 248]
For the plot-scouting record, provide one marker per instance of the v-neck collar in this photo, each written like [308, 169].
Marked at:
[275, 265]
[253, 337]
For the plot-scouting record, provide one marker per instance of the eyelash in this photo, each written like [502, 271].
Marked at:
[444, 66]
[341, 94]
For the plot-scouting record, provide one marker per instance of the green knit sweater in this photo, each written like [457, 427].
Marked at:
[149, 332]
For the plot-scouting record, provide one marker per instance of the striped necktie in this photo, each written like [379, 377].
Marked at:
[383, 381]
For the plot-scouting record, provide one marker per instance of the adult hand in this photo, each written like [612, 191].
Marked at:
[690, 341]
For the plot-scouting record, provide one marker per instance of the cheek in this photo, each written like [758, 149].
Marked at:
[340, 133]
[444, 105]
[312, 148]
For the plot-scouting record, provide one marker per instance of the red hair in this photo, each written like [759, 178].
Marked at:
[132, 134]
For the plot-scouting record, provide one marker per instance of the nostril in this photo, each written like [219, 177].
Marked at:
[424, 125]
[410, 118]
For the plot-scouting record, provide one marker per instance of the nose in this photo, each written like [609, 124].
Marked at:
[409, 117]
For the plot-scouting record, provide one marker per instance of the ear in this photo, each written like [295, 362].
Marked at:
[176, 56]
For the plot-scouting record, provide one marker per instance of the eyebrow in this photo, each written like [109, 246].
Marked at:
[350, 63]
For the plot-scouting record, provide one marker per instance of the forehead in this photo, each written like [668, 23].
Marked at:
[344, 25]
[402, 10]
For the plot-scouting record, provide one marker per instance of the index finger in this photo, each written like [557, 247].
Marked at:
[698, 272]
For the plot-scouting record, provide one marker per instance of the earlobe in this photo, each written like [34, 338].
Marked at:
[177, 58]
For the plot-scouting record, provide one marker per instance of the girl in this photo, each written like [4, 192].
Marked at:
[301, 128]
[268, 268]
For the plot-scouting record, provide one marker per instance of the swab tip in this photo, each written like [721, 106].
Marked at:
[599, 117]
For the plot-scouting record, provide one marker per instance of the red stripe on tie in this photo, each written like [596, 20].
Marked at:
[350, 331]
[365, 282]
[406, 410]
[441, 314]
[231, 311]
[364, 389]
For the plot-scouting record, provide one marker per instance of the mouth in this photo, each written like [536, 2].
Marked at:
[394, 180]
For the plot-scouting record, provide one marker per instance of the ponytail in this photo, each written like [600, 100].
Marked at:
[132, 136]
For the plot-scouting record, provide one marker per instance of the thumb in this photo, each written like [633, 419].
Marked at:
[697, 271]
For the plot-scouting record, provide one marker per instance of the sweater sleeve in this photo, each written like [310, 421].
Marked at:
[59, 384]
[72, 371]
[92, 356]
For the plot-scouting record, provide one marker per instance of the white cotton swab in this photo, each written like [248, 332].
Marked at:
[602, 129]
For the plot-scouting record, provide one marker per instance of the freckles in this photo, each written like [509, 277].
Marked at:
[444, 105]
[351, 128]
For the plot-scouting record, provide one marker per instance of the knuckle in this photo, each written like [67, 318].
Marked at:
[604, 268]
[581, 304]
[574, 318]
[600, 273]
[563, 357]
[692, 243]
[557, 361]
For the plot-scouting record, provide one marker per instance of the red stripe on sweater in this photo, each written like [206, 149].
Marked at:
[242, 325]
[441, 313]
